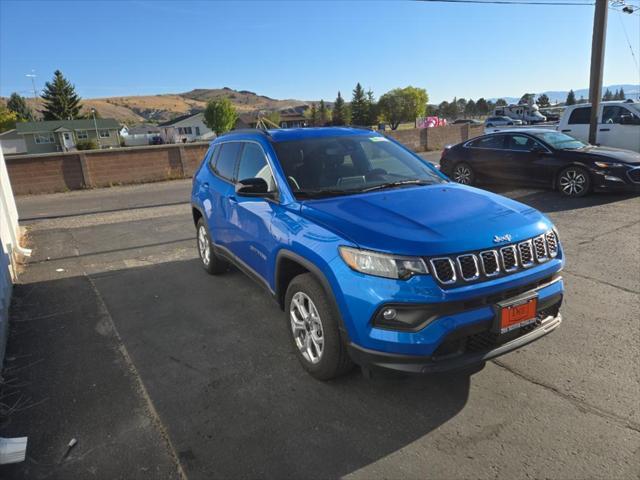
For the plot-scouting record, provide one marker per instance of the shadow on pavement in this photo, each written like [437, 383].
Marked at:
[228, 387]
[549, 201]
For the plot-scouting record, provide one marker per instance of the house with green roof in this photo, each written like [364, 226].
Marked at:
[64, 135]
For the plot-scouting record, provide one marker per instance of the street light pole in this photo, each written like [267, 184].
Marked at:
[597, 64]
[95, 124]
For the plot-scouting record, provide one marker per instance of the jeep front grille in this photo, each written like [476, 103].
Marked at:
[470, 267]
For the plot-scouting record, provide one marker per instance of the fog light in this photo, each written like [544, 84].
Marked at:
[389, 314]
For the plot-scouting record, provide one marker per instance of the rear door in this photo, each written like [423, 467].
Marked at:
[222, 193]
[488, 157]
[620, 128]
[577, 125]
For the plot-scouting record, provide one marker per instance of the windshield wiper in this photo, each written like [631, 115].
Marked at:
[398, 183]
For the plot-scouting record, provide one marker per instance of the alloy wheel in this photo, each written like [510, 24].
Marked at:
[462, 174]
[306, 326]
[204, 249]
[573, 182]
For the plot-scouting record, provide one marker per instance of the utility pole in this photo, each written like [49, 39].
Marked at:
[597, 64]
[33, 76]
[95, 124]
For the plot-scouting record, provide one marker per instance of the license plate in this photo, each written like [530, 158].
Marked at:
[516, 314]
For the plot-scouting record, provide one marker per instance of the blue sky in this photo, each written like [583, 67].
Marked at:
[308, 50]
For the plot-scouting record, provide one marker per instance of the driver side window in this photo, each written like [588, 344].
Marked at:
[253, 164]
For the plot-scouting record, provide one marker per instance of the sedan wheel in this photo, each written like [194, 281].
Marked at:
[463, 174]
[306, 326]
[574, 182]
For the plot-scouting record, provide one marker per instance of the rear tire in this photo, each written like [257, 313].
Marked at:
[314, 329]
[463, 173]
[574, 182]
[210, 261]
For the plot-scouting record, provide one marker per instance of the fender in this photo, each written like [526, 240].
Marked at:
[316, 272]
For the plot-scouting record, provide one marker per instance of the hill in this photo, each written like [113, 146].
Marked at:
[559, 96]
[163, 107]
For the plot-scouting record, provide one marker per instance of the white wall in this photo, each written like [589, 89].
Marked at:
[9, 250]
[17, 145]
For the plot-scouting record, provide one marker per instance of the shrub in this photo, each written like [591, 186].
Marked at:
[86, 145]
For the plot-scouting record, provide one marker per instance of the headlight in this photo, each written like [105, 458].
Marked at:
[607, 164]
[382, 264]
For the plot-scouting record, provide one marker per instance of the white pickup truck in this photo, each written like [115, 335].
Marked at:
[619, 124]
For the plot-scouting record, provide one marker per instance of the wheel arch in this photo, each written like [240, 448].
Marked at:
[289, 265]
[196, 214]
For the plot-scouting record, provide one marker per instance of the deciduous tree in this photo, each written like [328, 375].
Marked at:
[543, 101]
[8, 119]
[501, 102]
[220, 115]
[403, 105]
[324, 114]
[482, 107]
[61, 102]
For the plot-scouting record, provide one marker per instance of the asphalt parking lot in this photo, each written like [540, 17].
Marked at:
[121, 340]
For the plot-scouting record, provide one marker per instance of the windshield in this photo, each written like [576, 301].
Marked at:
[344, 165]
[560, 141]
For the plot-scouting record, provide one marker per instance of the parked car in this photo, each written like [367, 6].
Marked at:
[332, 222]
[498, 121]
[551, 116]
[525, 113]
[542, 158]
[470, 121]
[619, 124]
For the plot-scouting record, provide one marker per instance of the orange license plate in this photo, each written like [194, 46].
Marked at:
[517, 314]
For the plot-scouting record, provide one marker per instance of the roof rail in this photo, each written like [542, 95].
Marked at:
[248, 130]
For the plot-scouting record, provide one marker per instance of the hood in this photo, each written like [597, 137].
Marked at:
[429, 220]
[615, 154]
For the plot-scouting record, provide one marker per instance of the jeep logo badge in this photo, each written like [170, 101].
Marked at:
[502, 238]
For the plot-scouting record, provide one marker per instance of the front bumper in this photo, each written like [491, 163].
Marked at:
[455, 361]
[614, 180]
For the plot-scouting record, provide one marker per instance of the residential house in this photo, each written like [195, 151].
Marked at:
[291, 117]
[12, 143]
[143, 134]
[187, 128]
[63, 135]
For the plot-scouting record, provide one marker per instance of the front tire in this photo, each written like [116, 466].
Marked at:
[464, 174]
[314, 328]
[574, 182]
[210, 261]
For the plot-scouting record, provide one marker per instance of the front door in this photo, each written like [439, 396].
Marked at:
[620, 128]
[251, 217]
[67, 140]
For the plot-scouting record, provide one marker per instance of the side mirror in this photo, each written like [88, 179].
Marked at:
[628, 120]
[253, 187]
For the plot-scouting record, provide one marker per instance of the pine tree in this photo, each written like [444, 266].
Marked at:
[17, 104]
[338, 111]
[323, 114]
[621, 95]
[372, 109]
[61, 102]
[543, 101]
[359, 106]
[571, 98]
[607, 95]
[313, 115]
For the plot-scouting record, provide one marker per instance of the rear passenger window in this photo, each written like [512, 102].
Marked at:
[211, 157]
[226, 163]
[493, 142]
[580, 116]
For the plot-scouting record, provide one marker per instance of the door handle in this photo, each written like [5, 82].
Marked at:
[205, 185]
[233, 199]
[605, 129]
[566, 130]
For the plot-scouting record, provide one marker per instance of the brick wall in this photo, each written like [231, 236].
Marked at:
[420, 139]
[60, 172]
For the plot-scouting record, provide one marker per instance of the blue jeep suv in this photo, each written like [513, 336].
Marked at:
[374, 255]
